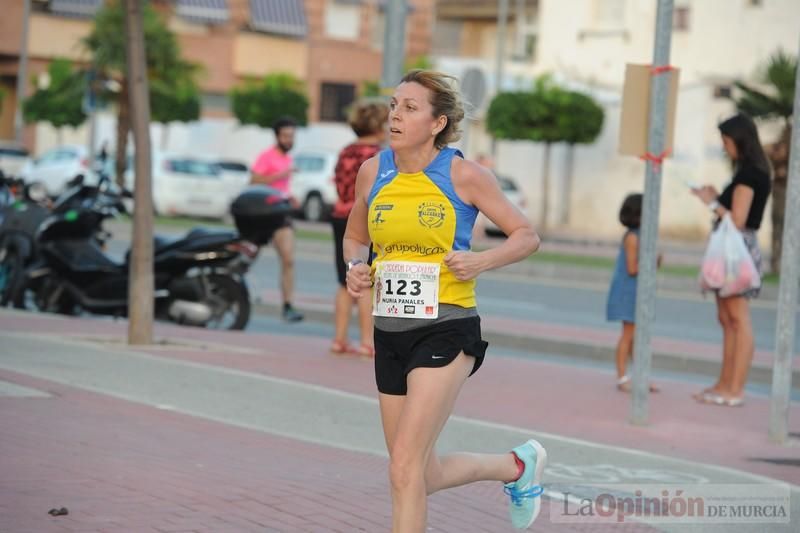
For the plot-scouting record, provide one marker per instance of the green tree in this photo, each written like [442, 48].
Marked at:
[262, 102]
[421, 62]
[370, 89]
[771, 98]
[583, 122]
[60, 101]
[175, 100]
[165, 68]
[539, 115]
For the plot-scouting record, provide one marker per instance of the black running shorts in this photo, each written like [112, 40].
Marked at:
[433, 346]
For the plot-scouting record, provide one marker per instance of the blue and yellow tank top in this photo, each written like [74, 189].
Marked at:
[419, 217]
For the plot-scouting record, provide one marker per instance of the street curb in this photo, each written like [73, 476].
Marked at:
[671, 362]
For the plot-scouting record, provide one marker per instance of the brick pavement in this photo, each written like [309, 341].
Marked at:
[121, 466]
[588, 407]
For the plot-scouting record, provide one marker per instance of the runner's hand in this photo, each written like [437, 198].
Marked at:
[359, 279]
[464, 265]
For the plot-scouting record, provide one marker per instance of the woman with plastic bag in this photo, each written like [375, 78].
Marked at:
[732, 264]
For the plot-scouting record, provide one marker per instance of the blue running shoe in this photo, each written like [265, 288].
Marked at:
[526, 492]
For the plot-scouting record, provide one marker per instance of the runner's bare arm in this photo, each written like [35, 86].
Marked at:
[478, 186]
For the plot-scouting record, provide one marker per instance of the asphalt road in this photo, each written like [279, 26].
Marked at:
[564, 302]
[545, 300]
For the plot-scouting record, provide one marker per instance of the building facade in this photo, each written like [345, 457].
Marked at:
[585, 45]
[333, 46]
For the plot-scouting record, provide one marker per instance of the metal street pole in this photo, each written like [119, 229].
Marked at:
[22, 71]
[90, 108]
[394, 44]
[648, 238]
[787, 295]
[502, 23]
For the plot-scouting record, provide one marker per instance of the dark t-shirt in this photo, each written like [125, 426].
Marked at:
[350, 160]
[759, 181]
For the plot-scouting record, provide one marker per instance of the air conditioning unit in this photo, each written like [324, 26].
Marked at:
[474, 89]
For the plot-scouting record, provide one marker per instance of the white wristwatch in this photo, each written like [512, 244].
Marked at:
[714, 205]
[354, 262]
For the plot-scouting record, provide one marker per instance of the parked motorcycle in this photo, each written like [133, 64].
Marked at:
[23, 208]
[199, 278]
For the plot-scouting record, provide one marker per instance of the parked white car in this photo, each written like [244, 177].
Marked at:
[12, 158]
[235, 175]
[193, 185]
[57, 167]
[512, 192]
[312, 183]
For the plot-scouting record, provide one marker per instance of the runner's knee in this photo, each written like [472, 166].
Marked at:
[404, 470]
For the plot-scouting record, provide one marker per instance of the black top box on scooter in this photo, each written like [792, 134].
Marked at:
[260, 210]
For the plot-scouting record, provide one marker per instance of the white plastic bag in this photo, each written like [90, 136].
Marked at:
[727, 265]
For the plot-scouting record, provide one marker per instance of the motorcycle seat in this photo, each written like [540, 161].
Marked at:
[211, 234]
[161, 242]
[195, 239]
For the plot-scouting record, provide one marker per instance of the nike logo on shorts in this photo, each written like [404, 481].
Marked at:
[438, 357]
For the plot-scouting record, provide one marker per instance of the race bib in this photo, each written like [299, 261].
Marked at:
[406, 289]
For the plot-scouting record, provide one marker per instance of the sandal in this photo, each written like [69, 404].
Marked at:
[624, 384]
[365, 350]
[717, 399]
[699, 395]
[340, 348]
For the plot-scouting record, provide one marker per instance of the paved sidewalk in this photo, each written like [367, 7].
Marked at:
[122, 462]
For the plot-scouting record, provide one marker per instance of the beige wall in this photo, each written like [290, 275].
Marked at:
[726, 39]
[57, 37]
[257, 55]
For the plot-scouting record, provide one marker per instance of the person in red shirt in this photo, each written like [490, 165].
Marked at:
[273, 167]
[368, 118]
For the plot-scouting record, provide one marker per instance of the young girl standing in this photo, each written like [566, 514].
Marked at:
[622, 293]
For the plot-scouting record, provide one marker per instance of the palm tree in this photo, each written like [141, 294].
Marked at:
[772, 99]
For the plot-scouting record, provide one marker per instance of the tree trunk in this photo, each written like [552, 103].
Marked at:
[779, 157]
[140, 286]
[123, 127]
[566, 200]
[545, 189]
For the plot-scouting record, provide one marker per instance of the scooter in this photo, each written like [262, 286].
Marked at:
[23, 208]
[199, 278]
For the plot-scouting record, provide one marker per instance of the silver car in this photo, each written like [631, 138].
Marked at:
[512, 192]
[12, 158]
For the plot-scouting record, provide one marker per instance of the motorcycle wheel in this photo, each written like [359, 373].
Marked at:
[11, 268]
[229, 300]
[27, 295]
[42, 294]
